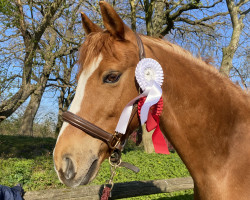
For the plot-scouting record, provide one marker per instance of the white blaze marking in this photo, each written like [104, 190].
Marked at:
[80, 89]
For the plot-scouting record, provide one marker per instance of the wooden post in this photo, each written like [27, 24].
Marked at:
[147, 140]
[120, 190]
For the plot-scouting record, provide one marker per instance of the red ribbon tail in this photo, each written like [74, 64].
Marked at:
[159, 141]
[151, 122]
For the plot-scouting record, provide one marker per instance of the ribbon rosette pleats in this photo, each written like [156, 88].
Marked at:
[149, 76]
[147, 72]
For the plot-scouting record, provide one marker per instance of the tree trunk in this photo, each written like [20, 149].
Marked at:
[149, 8]
[31, 109]
[159, 18]
[237, 24]
[29, 115]
[133, 14]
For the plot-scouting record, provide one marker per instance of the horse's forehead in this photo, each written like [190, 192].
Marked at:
[84, 75]
[92, 65]
[115, 52]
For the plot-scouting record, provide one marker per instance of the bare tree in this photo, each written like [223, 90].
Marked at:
[56, 44]
[161, 16]
[237, 15]
[31, 32]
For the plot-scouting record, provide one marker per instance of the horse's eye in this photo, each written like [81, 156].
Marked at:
[112, 77]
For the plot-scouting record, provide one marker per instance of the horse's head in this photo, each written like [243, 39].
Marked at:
[106, 83]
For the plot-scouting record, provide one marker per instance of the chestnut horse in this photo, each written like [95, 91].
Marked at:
[205, 116]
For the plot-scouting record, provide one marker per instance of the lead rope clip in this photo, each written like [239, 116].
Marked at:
[106, 193]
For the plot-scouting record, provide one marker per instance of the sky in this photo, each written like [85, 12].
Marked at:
[49, 105]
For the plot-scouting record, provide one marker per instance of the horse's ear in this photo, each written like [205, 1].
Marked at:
[88, 25]
[112, 21]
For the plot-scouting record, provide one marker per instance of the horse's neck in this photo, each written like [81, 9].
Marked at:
[200, 112]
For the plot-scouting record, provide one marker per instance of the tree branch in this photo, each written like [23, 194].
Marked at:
[190, 6]
[22, 24]
[172, 18]
[241, 2]
[241, 78]
[64, 38]
[200, 21]
[60, 86]
[46, 21]
[245, 12]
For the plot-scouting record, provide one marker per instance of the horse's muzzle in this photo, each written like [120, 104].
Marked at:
[70, 177]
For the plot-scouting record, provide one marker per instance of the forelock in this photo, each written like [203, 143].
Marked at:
[95, 43]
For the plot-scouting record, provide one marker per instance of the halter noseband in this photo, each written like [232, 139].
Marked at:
[114, 141]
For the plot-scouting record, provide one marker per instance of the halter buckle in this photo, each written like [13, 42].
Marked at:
[115, 140]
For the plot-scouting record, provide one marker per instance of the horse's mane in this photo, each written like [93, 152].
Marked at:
[98, 42]
[176, 49]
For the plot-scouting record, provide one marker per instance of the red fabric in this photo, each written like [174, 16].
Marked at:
[160, 144]
[158, 139]
[156, 109]
[152, 121]
[106, 193]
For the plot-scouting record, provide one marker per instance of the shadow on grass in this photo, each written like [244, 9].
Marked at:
[180, 197]
[25, 147]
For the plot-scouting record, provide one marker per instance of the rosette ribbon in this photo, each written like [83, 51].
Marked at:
[149, 76]
[152, 123]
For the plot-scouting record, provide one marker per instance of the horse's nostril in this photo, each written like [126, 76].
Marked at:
[69, 172]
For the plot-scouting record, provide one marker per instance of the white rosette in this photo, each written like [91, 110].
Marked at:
[149, 76]
[147, 72]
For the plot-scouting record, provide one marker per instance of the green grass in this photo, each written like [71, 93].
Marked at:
[29, 161]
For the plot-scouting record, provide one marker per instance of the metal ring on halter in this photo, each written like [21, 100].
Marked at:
[115, 158]
[115, 164]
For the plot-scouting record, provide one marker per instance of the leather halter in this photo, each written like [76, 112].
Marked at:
[114, 141]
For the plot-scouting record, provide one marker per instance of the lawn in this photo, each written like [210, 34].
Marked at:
[29, 161]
